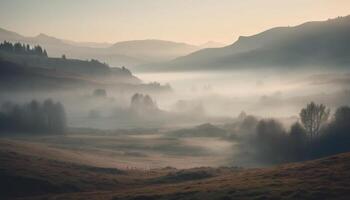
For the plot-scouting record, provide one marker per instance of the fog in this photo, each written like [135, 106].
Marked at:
[268, 92]
[198, 97]
[242, 117]
[203, 116]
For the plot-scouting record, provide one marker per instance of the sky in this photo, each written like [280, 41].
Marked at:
[190, 21]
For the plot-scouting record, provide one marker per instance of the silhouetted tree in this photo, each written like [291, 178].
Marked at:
[336, 137]
[142, 103]
[45, 53]
[18, 48]
[342, 116]
[312, 117]
[297, 142]
[27, 48]
[249, 123]
[60, 118]
[22, 49]
[271, 141]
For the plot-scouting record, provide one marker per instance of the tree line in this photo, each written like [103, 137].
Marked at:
[316, 134]
[47, 117]
[22, 49]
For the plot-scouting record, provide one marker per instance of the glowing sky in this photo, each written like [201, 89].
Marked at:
[191, 21]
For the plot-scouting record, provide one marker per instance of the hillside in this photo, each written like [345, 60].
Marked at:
[324, 43]
[37, 78]
[23, 72]
[34, 175]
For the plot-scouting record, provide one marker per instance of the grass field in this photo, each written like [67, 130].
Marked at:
[92, 167]
[145, 150]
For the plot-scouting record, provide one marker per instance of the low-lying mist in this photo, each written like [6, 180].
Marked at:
[239, 118]
[264, 92]
[198, 97]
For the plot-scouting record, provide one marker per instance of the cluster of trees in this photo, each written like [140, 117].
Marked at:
[24, 49]
[316, 135]
[35, 117]
[142, 103]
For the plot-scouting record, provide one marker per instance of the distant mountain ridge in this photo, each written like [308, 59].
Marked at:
[312, 43]
[127, 53]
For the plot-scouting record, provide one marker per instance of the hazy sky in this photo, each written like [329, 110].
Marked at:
[192, 21]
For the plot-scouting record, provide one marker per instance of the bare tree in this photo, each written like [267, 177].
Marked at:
[312, 118]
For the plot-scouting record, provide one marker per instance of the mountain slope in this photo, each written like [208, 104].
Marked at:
[15, 77]
[21, 70]
[312, 43]
[9, 35]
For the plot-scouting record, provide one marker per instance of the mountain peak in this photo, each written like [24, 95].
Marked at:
[47, 38]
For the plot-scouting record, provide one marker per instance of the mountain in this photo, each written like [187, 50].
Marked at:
[9, 35]
[127, 53]
[89, 44]
[325, 43]
[151, 50]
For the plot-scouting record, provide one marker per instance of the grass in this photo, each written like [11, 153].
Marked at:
[27, 173]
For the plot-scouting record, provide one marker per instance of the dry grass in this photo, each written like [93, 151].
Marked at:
[39, 177]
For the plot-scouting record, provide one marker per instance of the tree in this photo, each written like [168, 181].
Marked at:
[297, 142]
[271, 141]
[22, 49]
[60, 118]
[297, 131]
[242, 116]
[342, 116]
[28, 49]
[45, 53]
[38, 50]
[313, 116]
[148, 102]
[33, 118]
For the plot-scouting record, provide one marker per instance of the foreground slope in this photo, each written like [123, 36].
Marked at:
[31, 176]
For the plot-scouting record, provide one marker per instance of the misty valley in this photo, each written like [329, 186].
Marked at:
[266, 117]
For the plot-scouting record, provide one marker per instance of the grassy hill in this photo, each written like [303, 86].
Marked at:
[25, 173]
